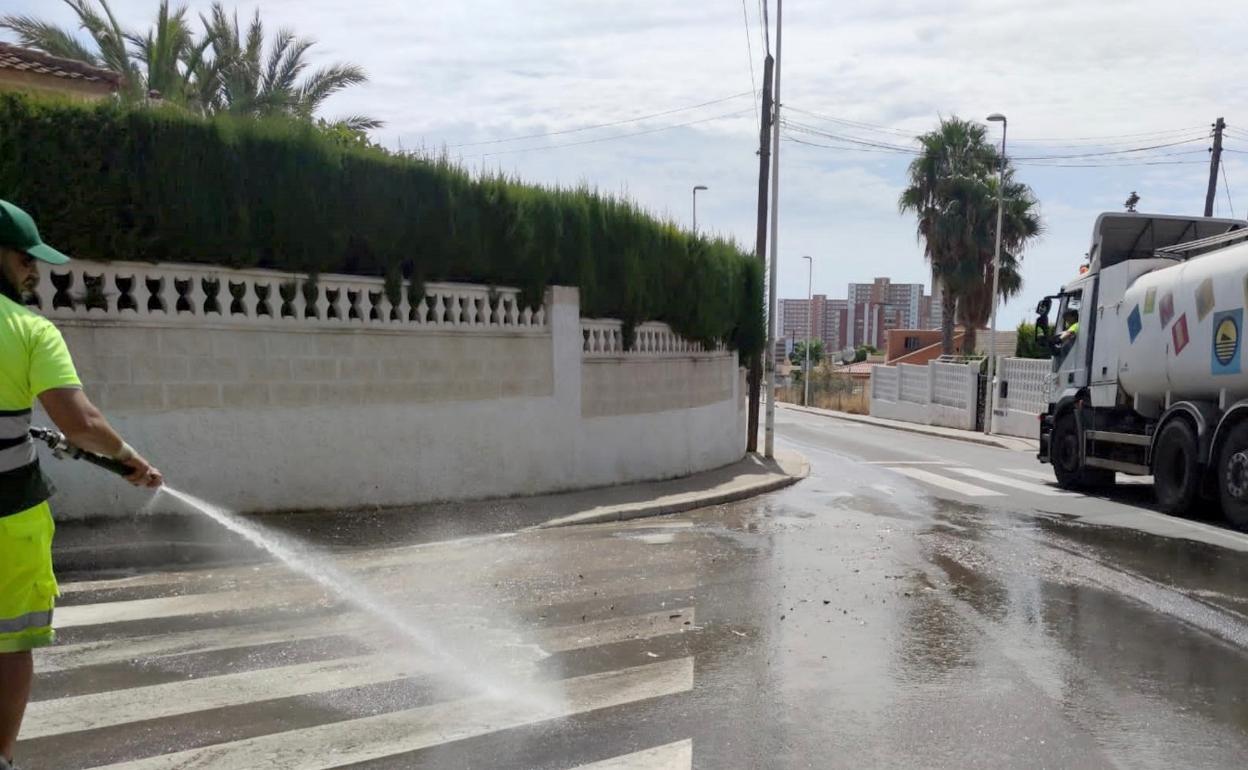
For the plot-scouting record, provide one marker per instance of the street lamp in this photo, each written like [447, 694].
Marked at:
[996, 117]
[810, 314]
[695, 206]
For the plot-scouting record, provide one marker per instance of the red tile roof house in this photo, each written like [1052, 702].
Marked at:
[22, 69]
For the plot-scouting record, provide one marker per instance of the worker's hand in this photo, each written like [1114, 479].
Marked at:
[144, 474]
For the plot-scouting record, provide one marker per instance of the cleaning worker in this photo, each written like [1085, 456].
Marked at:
[1071, 321]
[34, 363]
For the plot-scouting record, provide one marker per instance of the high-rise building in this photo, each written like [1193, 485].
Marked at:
[820, 318]
[876, 307]
[864, 317]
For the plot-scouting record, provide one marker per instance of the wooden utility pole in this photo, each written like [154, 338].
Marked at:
[769, 429]
[1215, 161]
[760, 248]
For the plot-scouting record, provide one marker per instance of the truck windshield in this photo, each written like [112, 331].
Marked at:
[1068, 323]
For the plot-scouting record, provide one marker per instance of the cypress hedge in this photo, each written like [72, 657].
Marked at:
[108, 182]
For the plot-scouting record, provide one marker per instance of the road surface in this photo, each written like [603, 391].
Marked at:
[916, 602]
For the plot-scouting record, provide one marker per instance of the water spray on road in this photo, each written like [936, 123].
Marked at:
[488, 680]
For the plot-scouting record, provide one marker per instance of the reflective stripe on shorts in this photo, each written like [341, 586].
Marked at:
[41, 619]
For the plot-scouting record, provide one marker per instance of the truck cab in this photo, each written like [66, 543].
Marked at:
[1118, 382]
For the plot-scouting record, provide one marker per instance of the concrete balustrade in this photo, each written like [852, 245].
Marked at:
[262, 399]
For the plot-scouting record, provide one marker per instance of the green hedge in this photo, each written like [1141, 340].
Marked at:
[108, 182]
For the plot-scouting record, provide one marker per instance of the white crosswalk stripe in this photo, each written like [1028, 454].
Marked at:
[358, 740]
[1005, 481]
[953, 485]
[120, 678]
[673, 756]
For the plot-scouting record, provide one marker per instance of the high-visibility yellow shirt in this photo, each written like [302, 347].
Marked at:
[33, 359]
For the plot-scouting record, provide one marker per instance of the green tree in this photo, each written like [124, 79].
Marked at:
[952, 192]
[798, 356]
[1027, 345]
[222, 70]
[862, 351]
[246, 81]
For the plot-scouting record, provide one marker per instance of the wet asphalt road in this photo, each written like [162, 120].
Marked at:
[905, 606]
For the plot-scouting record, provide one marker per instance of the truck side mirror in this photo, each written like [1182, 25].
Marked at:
[1043, 307]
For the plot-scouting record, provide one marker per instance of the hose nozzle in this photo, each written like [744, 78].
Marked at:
[61, 448]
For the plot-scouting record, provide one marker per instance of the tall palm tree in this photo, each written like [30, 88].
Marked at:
[172, 58]
[952, 191]
[1020, 224]
[247, 82]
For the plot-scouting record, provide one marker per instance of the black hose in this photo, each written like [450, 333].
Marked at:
[62, 448]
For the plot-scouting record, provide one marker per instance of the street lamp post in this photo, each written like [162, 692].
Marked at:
[695, 206]
[996, 117]
[810, 314]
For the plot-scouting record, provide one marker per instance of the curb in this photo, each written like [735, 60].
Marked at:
[971, 439]
[646, 510]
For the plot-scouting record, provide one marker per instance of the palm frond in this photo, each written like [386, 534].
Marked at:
[358, 123]
[327, 81]
[49, 38]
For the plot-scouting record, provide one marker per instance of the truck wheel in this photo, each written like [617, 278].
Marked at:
[1233, 477]
[1176, 468]
[1064, 455]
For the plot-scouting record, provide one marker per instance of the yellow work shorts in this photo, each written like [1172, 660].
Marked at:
[27, 585]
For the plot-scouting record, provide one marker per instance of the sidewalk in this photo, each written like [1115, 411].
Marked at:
[754, 475]
[148, 542]
[1012, 443]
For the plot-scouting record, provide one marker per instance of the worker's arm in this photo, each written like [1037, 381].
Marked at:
[85, 427]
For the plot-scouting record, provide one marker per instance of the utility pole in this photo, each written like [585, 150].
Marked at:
[770, 430]
[760, 249]
[1215, 161]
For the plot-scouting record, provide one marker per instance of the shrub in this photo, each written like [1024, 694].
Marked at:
[111, 182]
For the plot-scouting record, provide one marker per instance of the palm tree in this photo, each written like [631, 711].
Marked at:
[172, 58]
[952, 190]
[1020, 224]
[249, 83]
[222, 71]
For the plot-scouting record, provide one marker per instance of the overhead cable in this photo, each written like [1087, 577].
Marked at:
[603, 125]
[614, 137]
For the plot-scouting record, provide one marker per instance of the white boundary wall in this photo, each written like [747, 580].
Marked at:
[261, 399]
[933, 394]
[1024, 382]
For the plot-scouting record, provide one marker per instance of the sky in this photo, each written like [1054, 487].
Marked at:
[1073, 77]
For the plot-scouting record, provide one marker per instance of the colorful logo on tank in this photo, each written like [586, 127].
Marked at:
[1134, 323]
[1179, 333]
[1227, 327]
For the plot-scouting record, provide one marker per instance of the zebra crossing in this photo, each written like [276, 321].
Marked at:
[232, 669]
[949, 476]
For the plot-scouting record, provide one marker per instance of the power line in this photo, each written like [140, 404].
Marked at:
[805, 129]
[1111, 152]
[874, 127]
[1227, 186]
[1124, 163]
[656, 130]
[749, 50]
[792, 138]
[855, 123]
[1115, 165]
[603, 125]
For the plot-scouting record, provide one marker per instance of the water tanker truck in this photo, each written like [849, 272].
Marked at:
[1152, 381]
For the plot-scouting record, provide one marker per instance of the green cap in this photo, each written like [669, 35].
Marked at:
[18, 231]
